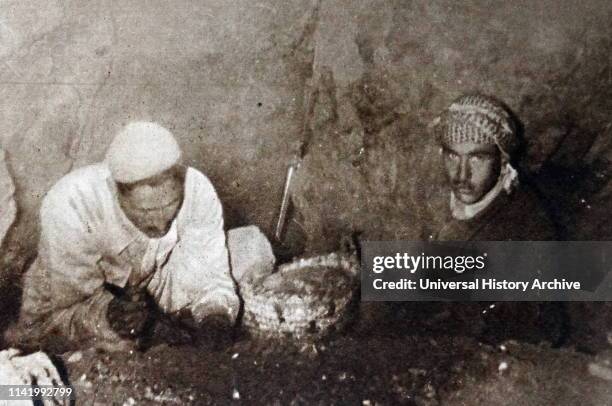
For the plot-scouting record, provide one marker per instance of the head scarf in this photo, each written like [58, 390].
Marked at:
[480, 119]
[483, 120]
[141, 150]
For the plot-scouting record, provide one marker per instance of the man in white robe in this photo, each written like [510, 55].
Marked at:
[136, 228]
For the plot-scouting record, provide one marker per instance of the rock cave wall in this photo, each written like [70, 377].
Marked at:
[354, 84]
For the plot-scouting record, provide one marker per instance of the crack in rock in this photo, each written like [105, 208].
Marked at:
[8, 209]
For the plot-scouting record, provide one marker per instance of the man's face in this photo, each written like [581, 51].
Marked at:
[152, 204]
[472, 169]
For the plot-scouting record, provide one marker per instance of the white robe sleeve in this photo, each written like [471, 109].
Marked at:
[197, 274]
[64, 296]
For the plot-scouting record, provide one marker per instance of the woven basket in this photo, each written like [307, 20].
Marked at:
[302, 299]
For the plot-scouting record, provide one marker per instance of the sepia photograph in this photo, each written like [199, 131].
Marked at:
[306, 202]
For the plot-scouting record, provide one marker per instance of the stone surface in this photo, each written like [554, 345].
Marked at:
[226, 79]
[354, 83]
[8, 209]
[249, 252]
[384, 73]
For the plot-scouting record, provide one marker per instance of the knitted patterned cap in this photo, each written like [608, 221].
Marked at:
[480, 119]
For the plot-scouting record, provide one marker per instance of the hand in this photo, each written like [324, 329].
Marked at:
[170, 330]
[216, 330]
[217, 323]
[128, 315]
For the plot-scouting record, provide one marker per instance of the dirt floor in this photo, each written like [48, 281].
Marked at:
[371, 363]
[354, 85]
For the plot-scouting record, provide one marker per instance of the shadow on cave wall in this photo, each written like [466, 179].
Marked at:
[374, 169]
[14, 261]
[360, 94]
[384, 173]
[567, 193]
[356, 86]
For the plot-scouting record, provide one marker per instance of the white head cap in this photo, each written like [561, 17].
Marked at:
[141, 150]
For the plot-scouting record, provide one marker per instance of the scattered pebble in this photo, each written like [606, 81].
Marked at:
[503, 348]
[84, 382]
[492, 306]
[101, 368]
[75, 357]
[366, 402]
[166, 396]
[417, 371]
[502, 366]
[323, 377]
[235, 355]
[235, 394]
[429, 391]
[600, 371]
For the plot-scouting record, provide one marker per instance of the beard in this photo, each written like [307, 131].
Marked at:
[467, 192]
